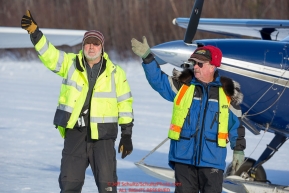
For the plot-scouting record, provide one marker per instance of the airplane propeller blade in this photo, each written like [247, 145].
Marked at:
[194, 21]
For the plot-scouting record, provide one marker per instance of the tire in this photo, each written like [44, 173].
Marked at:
[260, 175]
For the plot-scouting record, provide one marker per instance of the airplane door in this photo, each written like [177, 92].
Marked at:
[277, 56]
[274, 93]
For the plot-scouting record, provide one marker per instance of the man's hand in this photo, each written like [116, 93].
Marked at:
[125, 145]
[28, 23]
[141, 49]
[238, 159]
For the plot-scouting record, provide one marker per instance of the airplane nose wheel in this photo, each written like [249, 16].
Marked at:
[260, 174]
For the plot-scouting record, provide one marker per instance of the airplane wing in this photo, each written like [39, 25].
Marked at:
[257, 28]
[16, 37]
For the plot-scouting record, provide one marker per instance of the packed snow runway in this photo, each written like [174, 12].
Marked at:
[30, 146]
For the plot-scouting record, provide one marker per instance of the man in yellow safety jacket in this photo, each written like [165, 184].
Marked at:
[95, 98]
[206, 113]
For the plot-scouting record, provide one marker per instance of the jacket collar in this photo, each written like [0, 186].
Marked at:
[231, 87]
[106, 63]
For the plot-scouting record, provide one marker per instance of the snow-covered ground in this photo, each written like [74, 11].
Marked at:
[30, 146]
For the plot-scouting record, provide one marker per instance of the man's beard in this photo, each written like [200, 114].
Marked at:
[91, 58]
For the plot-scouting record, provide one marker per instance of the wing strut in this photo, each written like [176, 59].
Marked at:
[165, 174]
[152, 151]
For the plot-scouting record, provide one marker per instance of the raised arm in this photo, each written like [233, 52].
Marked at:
[165, 85]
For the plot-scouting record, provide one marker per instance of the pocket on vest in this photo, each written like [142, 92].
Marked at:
[211, 153]
[184, 149]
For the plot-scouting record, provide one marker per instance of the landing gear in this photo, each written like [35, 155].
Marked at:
[260, 174]
[251, 169]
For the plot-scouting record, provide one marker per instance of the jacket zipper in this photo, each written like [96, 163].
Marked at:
[202, 126]
[196, 135]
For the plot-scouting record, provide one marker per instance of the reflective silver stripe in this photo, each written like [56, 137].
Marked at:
[60, 58]
[170, 78]
[124, 97]
[111, 94]
[44, 48]
[60, 61]
[65, 108]
[113, 87]
[126, 114]
[214, 100]
[72, 83]
[104, 119]
[237, 112]
[71, 70]
[105, 94]
[113, 71]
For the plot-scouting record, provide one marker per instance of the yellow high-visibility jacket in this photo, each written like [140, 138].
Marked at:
[111, 101]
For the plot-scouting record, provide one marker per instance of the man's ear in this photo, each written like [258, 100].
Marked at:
[213, 69]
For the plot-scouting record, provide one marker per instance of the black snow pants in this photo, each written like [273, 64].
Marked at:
[191, 179]
[77, 154]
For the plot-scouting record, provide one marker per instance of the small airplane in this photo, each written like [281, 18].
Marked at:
[260, 66]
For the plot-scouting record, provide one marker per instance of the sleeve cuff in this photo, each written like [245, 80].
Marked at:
[36, 36]
[148, 59]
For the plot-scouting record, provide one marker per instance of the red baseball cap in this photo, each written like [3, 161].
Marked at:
[208, 53]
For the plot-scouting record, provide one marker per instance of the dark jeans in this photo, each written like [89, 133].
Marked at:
[191, 179]
[77, 154]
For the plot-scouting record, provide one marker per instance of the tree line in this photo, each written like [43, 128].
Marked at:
[121, 20]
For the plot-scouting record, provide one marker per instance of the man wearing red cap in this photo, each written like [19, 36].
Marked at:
[95, 98]
[206, 115]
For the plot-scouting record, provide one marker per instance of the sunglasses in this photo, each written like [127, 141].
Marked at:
[189, 64]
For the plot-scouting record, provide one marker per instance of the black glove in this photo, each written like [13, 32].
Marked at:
[125, 145]
[28, 23]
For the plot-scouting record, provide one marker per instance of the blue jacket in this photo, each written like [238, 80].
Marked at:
[198, 143]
